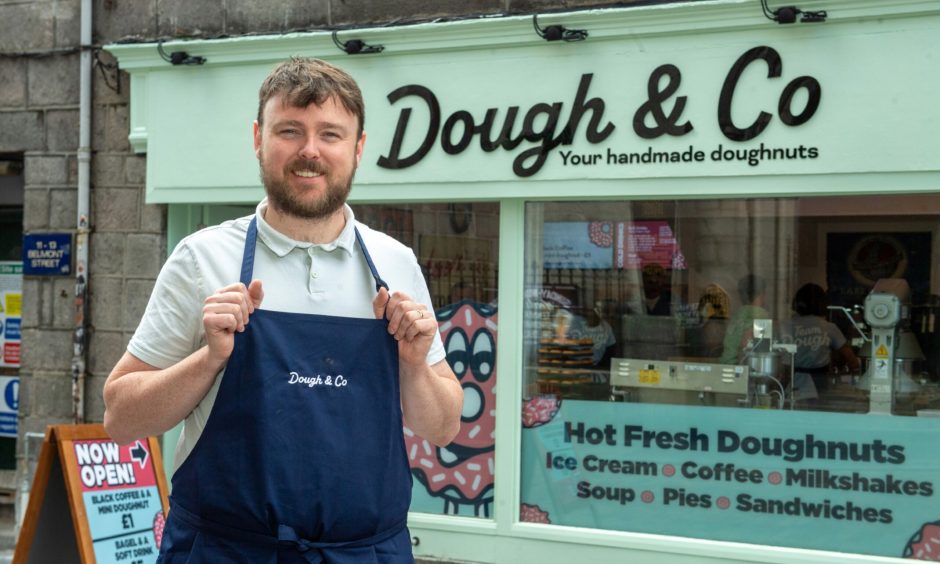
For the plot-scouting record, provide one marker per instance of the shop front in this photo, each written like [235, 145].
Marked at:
[693, 257]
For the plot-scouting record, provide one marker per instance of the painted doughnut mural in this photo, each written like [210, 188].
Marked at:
[462, 472]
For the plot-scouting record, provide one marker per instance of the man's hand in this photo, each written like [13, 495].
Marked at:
[410, 322]
[227, 311]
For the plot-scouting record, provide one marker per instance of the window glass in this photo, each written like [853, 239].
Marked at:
[457, 246]
[763, 370]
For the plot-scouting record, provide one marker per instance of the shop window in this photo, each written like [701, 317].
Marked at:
[457, 247]
[764, 371]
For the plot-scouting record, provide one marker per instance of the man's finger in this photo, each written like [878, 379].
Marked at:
[236, 299]
[380, 303]
[255, 293]
[236, 311]
[220, 322]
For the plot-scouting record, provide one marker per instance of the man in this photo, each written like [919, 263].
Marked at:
[316, 342]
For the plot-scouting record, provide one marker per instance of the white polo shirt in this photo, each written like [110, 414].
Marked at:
[328, 279]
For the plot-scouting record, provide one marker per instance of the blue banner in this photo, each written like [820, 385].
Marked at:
[842, 482]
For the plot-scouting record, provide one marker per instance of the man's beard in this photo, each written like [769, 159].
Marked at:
[285, 200]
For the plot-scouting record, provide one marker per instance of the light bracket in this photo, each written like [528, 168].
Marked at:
[356, 46]
[789, 14]
[179, 57]
[558, 32]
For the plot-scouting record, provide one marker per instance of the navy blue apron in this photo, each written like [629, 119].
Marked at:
[302, 459]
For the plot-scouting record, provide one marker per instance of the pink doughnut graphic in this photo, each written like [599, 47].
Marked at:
[533, 514]
[925, 544]
[462, 472]
[775, 478]
[669, 470]
[539, 410]
[601, 233]
[723, 503]
[647, 496]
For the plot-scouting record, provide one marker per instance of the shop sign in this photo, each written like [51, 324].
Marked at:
[863, 484]
[533, 134]
[11, 301]
[47, 254]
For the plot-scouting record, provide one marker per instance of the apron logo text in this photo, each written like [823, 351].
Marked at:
[337, 381]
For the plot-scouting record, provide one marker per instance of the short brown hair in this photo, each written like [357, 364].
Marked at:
[303, 81]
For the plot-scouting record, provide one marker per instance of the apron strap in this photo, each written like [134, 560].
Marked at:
[287, 535]
[248, 258]
[379, 283]
[312, 551]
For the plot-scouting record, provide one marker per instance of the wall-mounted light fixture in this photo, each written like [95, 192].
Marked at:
[179, 57]
[788, 14]
[356, 46]
[558, 32]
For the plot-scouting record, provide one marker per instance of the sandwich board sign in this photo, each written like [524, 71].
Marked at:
[114, 498]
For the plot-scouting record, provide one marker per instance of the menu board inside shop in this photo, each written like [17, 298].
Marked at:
[644, 242]
[848, 483]
[116, 495]
[578, 244]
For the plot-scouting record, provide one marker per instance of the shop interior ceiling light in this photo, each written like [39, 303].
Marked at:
[788, 14]
[558, 32]
[356, 46]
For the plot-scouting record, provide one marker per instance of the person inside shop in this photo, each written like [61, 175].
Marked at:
[707, 337]
[751, 290]
[817, 340]
[656, 292]
[294, 343]
[590, 325]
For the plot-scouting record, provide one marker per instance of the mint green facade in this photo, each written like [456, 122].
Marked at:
[871, 130]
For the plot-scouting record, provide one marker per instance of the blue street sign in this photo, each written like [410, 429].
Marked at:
[48, 254]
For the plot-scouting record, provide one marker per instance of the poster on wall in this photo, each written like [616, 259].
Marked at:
[11, 300]
[640, 243]
[837, 482]
[9, 405]
[578, 244]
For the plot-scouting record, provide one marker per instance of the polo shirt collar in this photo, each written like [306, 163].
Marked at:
[281, 244]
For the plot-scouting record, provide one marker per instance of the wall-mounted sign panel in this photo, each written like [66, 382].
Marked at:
[47, 254]
[11, 312]
[9, 405]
